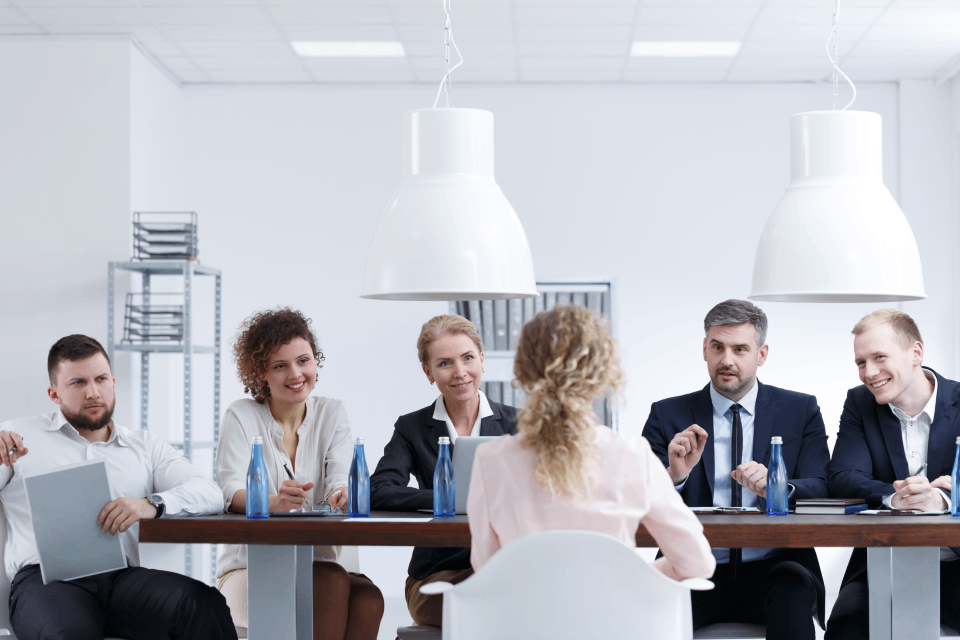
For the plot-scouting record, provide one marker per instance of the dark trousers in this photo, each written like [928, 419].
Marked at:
[132, 603]
[779, 593]
[850, 618]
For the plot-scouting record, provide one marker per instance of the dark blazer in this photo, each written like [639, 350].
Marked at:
[793, 416]
[869, 453]
[414, 449]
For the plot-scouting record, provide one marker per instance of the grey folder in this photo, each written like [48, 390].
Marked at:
[65, 503]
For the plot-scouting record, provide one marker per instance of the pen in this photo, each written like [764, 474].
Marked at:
[290, 473]
[14, 448]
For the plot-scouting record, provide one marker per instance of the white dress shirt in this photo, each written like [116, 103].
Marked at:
[440, 413]
[323, 456]
[138, 464]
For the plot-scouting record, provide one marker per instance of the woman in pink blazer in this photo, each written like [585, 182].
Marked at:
[563, 470]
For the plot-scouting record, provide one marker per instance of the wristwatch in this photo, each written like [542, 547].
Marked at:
[157, 500]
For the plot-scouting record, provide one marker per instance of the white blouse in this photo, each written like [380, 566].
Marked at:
[323, 456]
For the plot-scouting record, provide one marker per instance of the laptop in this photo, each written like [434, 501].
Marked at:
[464, 450]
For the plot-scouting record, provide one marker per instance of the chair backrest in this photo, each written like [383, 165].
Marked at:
[567, 584]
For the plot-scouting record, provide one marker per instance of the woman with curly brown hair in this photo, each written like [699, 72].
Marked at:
[277, 360]
[565, 471]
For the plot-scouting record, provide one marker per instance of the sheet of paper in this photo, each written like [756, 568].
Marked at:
[387, 519]
[895, 513]
[727, 509]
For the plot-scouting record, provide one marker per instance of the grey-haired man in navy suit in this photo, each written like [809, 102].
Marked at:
[715, 444]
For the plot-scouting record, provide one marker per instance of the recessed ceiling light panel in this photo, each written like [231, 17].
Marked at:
[349, 49]
[685, 48]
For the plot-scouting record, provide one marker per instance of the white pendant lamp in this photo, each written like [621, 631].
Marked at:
[448, 233]
[837, 235]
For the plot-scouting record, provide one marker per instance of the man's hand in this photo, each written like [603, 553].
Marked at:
[122, 513]
[291, 495]
[9, 440]
[338, 497]
[943, 482]
[753, 476]
[684, 451]
[916, 492]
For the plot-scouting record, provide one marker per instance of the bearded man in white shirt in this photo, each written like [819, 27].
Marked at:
[898, 430]
[148, 478]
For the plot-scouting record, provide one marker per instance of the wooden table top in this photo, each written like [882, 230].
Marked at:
[754, 530]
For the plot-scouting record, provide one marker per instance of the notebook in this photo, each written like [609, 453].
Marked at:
[65, 503]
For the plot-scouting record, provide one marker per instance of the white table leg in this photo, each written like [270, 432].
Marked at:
[904, 593]
[279, 592]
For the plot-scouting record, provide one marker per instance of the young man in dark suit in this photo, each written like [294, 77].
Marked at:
[897, 430]
[715, 442]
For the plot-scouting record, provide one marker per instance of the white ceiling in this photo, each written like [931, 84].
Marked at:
[510, 41]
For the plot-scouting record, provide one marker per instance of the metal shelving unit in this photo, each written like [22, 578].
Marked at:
[187, 270]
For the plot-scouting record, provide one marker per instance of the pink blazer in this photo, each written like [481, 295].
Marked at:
[506, 503]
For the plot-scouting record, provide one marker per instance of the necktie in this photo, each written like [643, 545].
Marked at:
[736, 490]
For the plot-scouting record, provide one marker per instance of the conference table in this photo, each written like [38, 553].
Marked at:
[903, 556]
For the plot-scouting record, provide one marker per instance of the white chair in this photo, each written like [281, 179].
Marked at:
[567, 584]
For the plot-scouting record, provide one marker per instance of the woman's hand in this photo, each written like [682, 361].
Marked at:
[338, 497]
[291, 496]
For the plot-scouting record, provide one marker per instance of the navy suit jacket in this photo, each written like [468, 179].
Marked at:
[793, 416]
[414, 449]
[869, 453]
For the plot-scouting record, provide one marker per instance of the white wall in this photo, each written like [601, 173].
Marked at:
[64, 204]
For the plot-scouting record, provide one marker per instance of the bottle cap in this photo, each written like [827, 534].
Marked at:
[444, 440]
[776, 440]
[358, 441]
[958, 440]
[257, 439]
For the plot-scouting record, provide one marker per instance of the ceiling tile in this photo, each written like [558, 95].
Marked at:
[461, 32]
[370, 33]
[848, 33]
[471, 48]
[158, 45]
[324, 3]
[486, 75]
[930, 48]
[356, 63]
[218, 32]
[361, 76]
[106, 29]
[71, 3]
[803, 63]
[706, 3]
[782, 48]
[459, 16]
[534, 33]
[706, 15]
[208, 15]
[829, 5]
[921, 15]
[87, 15]
[563, 76]
[12, 16]
[818, 16]
[571, 63]
[194, 3]
[177, 63]
[690, 75]
[460, 3]
[914, 32]
[576, 3]
[20, 30]
[690, 32]
[438, 65]
[686, 64]
[241, 63]
[575, 15]
[227, 48]
[261, 77]
[331, 15]
[783, 75]
[899, 63]
[589, 48]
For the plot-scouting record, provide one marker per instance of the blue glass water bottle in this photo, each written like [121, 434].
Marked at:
[258, 487]
[444, 487]
[954, 490]
[358, 486]
[777, 480]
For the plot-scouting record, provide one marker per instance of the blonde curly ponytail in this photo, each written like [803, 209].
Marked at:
[565, 359]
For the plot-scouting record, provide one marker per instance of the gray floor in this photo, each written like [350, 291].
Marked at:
[395, 615]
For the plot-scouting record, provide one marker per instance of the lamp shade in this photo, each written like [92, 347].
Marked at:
[837, 235]
[448, 233]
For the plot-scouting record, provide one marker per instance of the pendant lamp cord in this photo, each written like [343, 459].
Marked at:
[837, 71]
[448, 41]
